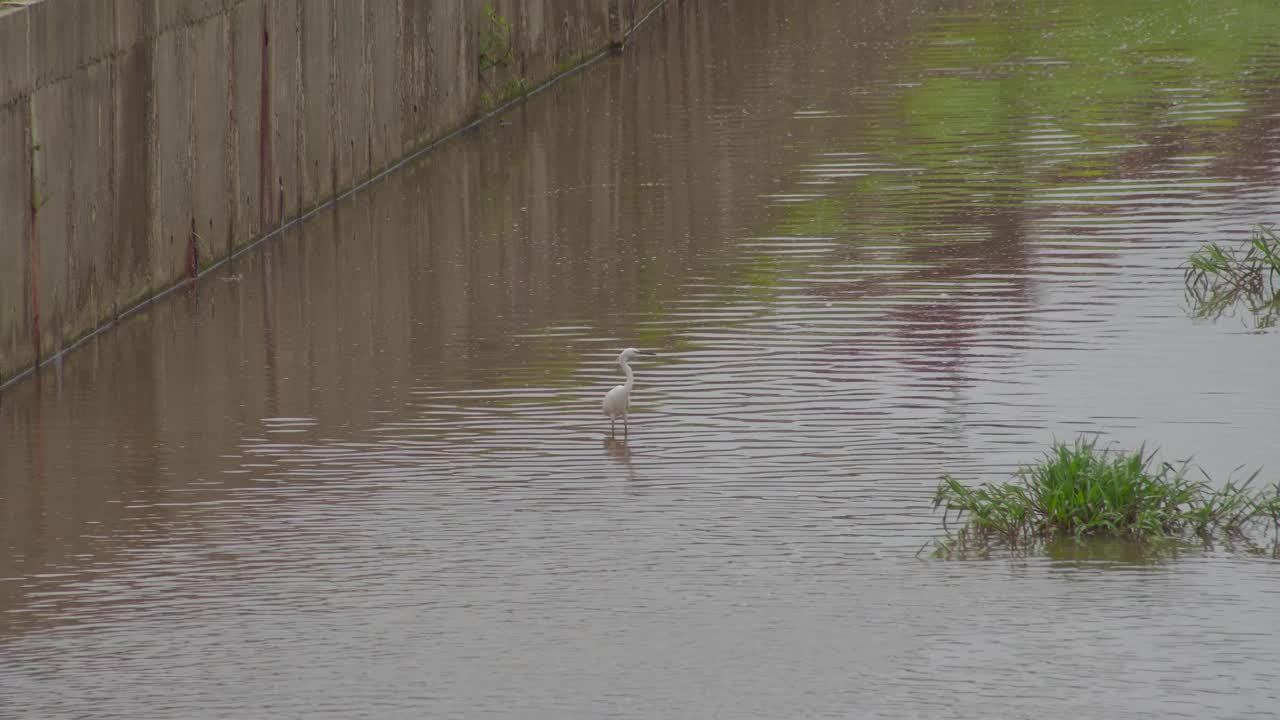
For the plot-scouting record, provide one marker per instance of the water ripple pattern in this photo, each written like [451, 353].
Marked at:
[368, 474]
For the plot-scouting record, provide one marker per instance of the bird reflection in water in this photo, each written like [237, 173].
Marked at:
[618, 451]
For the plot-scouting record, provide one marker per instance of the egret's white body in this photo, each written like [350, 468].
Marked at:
[618, 400]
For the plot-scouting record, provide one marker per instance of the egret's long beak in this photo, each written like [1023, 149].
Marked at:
[643, 352]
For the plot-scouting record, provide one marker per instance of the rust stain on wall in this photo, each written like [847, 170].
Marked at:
[33, 263]
[265, 168]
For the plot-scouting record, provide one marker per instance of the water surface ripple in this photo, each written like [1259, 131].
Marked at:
[362, 472]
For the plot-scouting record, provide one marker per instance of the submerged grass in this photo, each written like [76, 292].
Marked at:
[1218, 278]
[1079, 491]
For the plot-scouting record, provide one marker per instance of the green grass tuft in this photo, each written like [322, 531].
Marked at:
[496, 47]
[1218, 278]
[1078, 491]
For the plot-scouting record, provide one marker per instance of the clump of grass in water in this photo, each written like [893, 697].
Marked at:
[1218, 278]
[1078, 491]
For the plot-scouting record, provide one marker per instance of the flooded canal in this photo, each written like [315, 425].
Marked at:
[361, 471]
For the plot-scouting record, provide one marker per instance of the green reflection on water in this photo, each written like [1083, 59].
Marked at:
[993, 109]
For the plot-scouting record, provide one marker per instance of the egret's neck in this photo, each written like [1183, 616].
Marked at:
[631, 379]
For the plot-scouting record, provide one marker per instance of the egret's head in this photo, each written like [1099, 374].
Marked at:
[630, 354]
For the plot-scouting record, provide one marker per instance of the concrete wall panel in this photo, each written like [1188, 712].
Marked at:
[67, 35]
[382, 28]
[527, 54]
[452, 69]
[284, 21]
[89, 284]
[15, 68]
[171, 14]
[97, 21]
[52, 130]
[16, 349]
[353, 91]
[135, 21]
[134, 167]
[175, 89]
[412, 57]
[248, 26]
[317, 102]
[54, 42]
[212, 144]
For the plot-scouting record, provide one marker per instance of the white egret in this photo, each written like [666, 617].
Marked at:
[618, 400]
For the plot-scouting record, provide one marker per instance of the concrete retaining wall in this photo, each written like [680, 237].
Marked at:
[143, 140]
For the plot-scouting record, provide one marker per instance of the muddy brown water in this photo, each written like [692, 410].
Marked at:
[361, 470]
